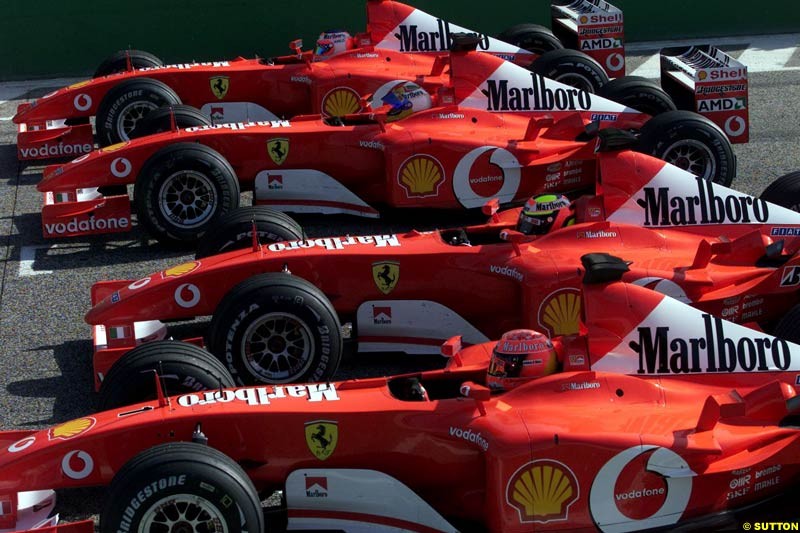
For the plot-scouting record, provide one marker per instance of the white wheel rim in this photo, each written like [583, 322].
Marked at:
[277, 348]
[692, 156]
[183, 513]
[130, 116]
[187, 199]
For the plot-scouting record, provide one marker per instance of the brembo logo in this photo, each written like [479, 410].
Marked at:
[537, 97]
[660, 353]
[55, 150]
[706, 207]
[414, 40]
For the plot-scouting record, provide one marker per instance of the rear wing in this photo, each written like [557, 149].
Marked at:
[707, 80]
[595, 28]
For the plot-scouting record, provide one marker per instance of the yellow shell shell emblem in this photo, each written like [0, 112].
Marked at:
[71, 429]
[561, 312]
[421, 176]
[322, 437]
[341, 101]
[115, 147]
[181, 270]
[542, 491]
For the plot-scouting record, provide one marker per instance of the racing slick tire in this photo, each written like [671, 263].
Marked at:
[639, 93]
[531, 37]
[234, 231]
[183, 190]
[691, 142]
[788, 327]
[572, 68]
[276, 328]
[784, 191]
[126, 104]
[183, 368]
[160, 120]
[181, 486]
[118, 62]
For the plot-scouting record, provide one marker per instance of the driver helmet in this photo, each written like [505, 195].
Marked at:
[404, 98]
[331, 43]
[518, 357]
[543, 213]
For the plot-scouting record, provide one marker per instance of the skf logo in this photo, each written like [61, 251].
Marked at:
[322, 437]
[71, 429]
[278, 150]
[791, 276]
[542, 491]
[181, 270]
[341, 101]
[219, 86]
[421, 176]
[386, 274]
[560, 312]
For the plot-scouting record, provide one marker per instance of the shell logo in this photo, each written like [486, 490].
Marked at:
[71, 429]
[702, 75]
[584, 19]
[542, 491]
[560, 312]
[181, 270]
[115, 147]
[341, 101]
[421, 176]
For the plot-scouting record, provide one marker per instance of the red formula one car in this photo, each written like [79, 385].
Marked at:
[699, 417]
[494, 129]
[400, 43]
[277, 311]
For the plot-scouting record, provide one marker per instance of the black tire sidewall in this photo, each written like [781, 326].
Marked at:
[659, 135]
[233, 318]
[531, 37]
[134, 492]
[161, 167]
[184, 368]
[784, 191]
[632, 92]
[235, 231]
[120, 97]
[159, 121]
[118, 62]
[559, 63]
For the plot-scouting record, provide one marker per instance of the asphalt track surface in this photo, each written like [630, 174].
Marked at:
[45, 346]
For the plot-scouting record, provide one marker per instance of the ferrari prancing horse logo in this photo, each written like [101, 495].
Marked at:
[322, 437]
[386, 274]
[278, 150]
[219, 86]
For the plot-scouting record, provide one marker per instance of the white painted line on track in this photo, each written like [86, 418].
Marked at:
[649, 69]
[27, 256]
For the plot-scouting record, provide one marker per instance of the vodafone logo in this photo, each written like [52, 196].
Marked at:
[485, 173]
[187, 295]
[139, 284]
[77, 465]
[615, 62]
[82, 102]
[630, 493]
[21, 444]
[735, 126]
[121, 167]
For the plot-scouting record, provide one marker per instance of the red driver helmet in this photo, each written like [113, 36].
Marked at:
[518, 357]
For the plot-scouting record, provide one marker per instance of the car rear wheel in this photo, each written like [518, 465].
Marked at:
[691, 142]
[234, 231]
[182, 192]
[784, 191]
[161, 119]
[276, 328]
[788, 327]
[181, 487]
[572, 68]
[126, 104]
[118, 62]
[639, 93]
[183, 368]
[531, 37]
